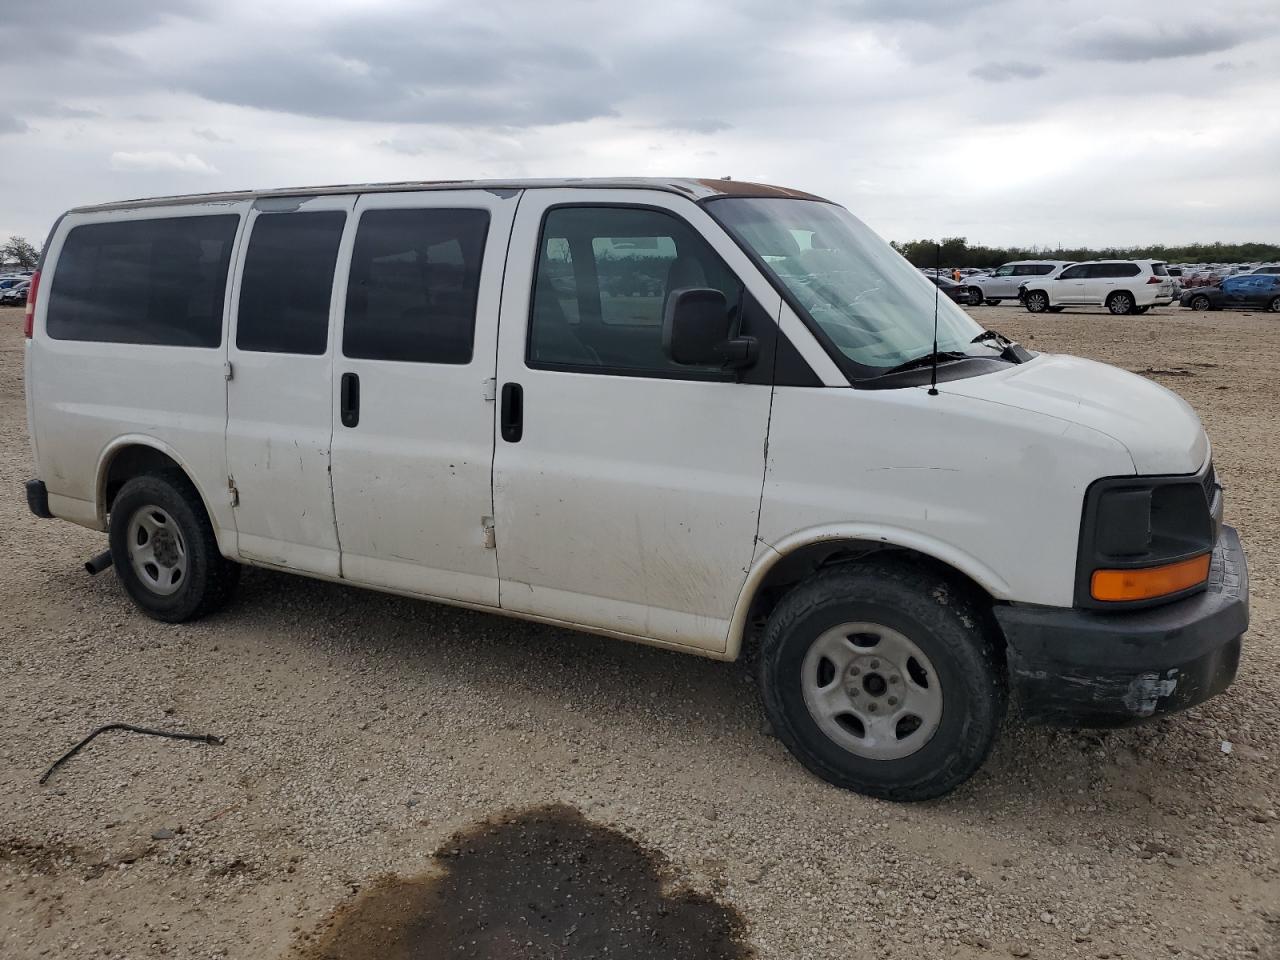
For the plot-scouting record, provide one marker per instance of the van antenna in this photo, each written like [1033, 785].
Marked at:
[937, 276]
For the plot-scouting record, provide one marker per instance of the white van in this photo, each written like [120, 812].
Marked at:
[659, 410]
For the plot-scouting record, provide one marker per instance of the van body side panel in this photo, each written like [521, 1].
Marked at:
[412, 478]
[279, 418]
[989, 489]
[88, 398]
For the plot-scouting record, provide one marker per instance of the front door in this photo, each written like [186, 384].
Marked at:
[278, 398]
[626, 487]
[413, 392]
[1071, 285]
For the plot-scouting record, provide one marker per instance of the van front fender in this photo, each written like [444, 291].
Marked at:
[769, 555]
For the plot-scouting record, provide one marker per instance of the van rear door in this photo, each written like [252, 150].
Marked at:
[279, 408]
[413, 391]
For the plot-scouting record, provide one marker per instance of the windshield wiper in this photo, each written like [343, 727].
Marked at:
[926, 359]
[986, 335]
[1009, 349]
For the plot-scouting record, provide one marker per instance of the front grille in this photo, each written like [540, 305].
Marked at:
[1210, 481]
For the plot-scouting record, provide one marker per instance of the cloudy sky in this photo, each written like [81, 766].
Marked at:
[1006, 121]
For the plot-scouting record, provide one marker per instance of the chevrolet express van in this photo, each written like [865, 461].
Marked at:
[693, 413]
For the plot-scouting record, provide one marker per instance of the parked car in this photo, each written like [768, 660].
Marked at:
[1249, 291]
[957, 292]
[1122, 286]
[15, 294]
[1005, 282]
[1272, 269]
[249, 378]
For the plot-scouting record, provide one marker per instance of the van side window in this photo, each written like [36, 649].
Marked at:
[603, 278]
[288, 282]
[160, 281]
[415, 277]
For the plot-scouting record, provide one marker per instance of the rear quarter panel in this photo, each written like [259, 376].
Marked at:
[88, 399]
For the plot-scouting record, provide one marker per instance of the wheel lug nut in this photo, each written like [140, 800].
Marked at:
[893, 701]
[875, 664]
[894, 679]
[854, 671]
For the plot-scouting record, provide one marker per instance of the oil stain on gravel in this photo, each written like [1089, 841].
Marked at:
[540, 883]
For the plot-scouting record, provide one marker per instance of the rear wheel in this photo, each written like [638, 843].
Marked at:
[164, 549]
[1200, 302]
[1274, 305]
[1141, 310]
[991, 302]
[1120, 303]
[1056, 309]
[880, 678]
[1037, 301]
[975, 297]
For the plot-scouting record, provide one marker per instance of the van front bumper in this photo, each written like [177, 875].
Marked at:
[1098, 669]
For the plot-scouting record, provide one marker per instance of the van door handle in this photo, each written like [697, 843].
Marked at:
[512, 416]
[349, 400]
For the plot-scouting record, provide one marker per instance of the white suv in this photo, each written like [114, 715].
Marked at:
[1122, 286]
[1004, 283]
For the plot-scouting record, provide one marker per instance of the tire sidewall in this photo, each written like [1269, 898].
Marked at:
[1037, 302]
[159, 492]
[971, 710]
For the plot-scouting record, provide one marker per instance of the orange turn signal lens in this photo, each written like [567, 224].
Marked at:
[1147, 583]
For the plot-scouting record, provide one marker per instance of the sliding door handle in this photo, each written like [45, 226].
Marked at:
[349, 400]
[511, 419]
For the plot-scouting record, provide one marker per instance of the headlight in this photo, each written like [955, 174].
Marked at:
[1146, 539]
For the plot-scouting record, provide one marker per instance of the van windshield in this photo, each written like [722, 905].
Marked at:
[874, 306]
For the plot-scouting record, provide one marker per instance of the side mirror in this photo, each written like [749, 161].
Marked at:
[696, 331]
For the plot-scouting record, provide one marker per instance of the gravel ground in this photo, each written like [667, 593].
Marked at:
[365, 731]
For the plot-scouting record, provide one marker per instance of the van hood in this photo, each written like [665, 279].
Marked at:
[1159, 429]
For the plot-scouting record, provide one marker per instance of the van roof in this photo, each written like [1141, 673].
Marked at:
[695, 189]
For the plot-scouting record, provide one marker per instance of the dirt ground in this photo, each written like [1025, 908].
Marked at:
[385, 757]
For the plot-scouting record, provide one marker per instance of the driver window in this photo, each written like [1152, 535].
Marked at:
[603, 278]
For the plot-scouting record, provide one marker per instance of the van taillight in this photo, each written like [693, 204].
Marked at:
[29, 322]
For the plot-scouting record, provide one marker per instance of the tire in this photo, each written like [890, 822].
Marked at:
[1141, 310]
[991, 302]
[1200, 302]
[1120, 303]
[1274, 306]
[1037, 301]
[912, 613]
[1056, 309]
[975, 297]
[164, 550]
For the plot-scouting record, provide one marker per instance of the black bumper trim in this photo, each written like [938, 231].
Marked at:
[1089, 668]
[38, 499]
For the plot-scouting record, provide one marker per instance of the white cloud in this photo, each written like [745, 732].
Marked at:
[1106, 123]
[152, 161]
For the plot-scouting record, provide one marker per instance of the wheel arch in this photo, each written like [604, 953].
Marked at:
[784, 564]
[136, 454]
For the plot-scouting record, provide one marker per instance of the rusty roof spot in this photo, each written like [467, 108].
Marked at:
[744, 188]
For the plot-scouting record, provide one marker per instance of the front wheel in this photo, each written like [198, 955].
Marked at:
[880, 678]
[1037, 301]
[164, 549]
[975, 297]
[1199, 303]
[1274, 306]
